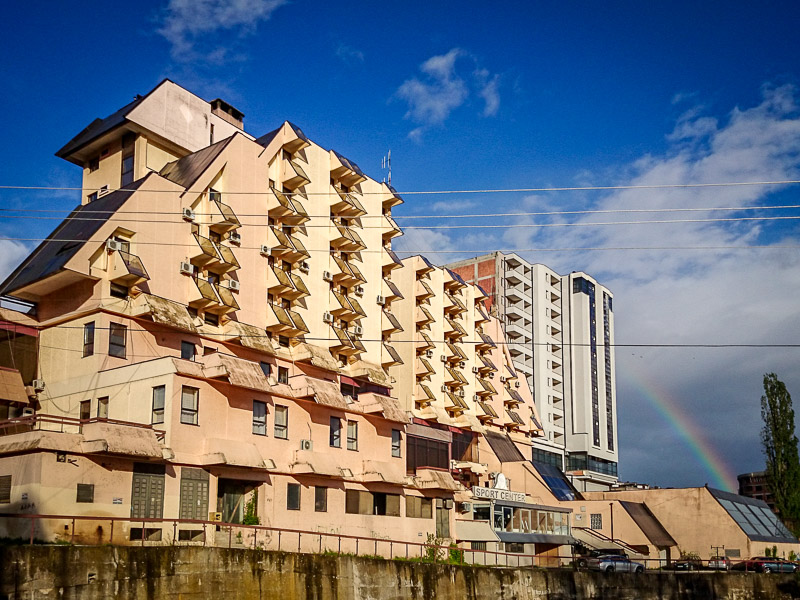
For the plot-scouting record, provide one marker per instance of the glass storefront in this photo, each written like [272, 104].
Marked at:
[523, 520]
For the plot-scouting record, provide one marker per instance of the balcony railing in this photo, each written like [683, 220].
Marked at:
[223, 219]
[390, 260]
[289, 247]
[347, 205]
[289, 210]
[283, 320]
[128, 270]
[389, 356]
[347, 239]
[348, 307]
[390, 323]
[294, 175]
[348, 274]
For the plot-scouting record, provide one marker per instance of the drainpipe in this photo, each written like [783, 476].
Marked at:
[611, 507]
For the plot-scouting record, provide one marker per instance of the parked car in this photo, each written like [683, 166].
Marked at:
[686, 564]
[720, 563]
[765, 564]
[581, 561]
[610, 563]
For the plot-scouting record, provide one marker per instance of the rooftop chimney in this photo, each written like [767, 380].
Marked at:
[225, 111]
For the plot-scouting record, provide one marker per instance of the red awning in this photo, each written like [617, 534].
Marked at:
[349, 381]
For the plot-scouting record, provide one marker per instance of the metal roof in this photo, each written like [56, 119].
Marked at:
[187, 170]
[503, 447]
[649, 524]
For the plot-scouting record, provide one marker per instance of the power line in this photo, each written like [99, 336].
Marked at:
[439, 192]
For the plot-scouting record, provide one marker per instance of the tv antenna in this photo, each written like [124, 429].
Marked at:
[386, 165]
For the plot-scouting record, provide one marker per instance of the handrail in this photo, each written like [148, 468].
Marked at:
[37, 419]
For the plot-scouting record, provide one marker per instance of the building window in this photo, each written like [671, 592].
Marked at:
[85, 410]
[266, 368]
[102, 407]
[91, 197]
[189, 405]
[117, 340]
[187, 350]
[5, 489]
[94, 164]
[117, 290]
[211, 319]
[283, 341]
[396, 443]
[159, 393]
[283, 375]
[336, 432]
[292, 496]
[320, 499]
[85, 493]
[259, 417]
[477, 545]
[596, 521]
[419, 508]
[352, 435]
[88, 339]
[281, 422]
[128, 146]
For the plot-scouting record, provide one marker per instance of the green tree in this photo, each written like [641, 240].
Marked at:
[780, 450]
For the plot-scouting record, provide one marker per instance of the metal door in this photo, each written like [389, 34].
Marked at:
[442, 520]
[230, 500]
[194, 494]
[147, 492]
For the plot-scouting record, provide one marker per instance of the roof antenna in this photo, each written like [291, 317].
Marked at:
[386, 164]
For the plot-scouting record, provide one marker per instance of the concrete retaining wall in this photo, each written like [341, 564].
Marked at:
[89, 573]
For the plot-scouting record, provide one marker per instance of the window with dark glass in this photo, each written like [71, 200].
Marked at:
[396, 443]
[128, 146]
[189, 405]
[85, 493]
[335, 432]
[117, 290]
[422, 452]
[187, 350]
[352, 435]
[159, 394]
[211, 318]
[281, 422]
[283, 375]
[292, 496]
[5, 489]
[266, 368]
[320, 499]
[117, 340]
[88, 339]
[85, 410]
[596, 521]
[419, 508]
[259, 417]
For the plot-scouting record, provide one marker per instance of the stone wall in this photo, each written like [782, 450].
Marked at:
[88, 573]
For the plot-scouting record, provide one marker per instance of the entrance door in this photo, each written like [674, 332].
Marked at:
[147, 493]
[230, 500]
[194, 494]
[442, 520]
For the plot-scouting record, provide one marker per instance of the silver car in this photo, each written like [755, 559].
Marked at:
[610, 563]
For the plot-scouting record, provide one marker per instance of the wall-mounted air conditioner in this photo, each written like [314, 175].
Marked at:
[443, 358]
[359, 290]
[327, 276]
[235, 237]
[187, 268]
[28, 412]
[502, 379]
[445, 388]
[304, 267]
[381, 300]
[461, 393]
[266, 251]
[477, 398]
[357, 330]
[462, 364]
[38, 385]
[517, 384]
[233, 285]
[429, 353]
[474, 369]
[327, 317]
[188, 214]
[113, 245]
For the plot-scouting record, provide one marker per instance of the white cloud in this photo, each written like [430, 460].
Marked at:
[11, 254]
[453, 206]
[721, 296]
[443, 88]
[349, 55]
[192, 26]
[420, 241]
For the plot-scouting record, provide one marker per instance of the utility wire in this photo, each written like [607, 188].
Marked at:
[438, 192]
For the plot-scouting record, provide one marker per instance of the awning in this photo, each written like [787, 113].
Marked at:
[249, 336]
[374, 471]
[429, 433]
[649, 524]
[377, 403]
[430, 479]
[503, 447]
[322, 391]
[475, 531]
[477, 468]
[108, 438]
[240, 372]
[371, 372]
[12, 389]
[316, 463]
[315, 355]
[231, 452]
[163, 311]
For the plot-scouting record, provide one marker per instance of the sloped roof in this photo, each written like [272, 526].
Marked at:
[187, 170]
[649, 524]
[754, 517]
[67, 238]
[98, 127]
[349, 163]
[503, 447]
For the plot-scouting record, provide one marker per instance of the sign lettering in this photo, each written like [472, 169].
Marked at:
[495, 494]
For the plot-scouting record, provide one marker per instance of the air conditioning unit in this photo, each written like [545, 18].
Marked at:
[27, 412]
[462, 364]
[517, 384]
[443, 358]
[233, 285]
[38, 385]
[357, 330]
[429, 353]
[445, 388]
[327, 317]
[188, 214]
[461, 393]
[381, 300]
[304, 267]
[502, 379]
[187, 268]
[466, 507]
[359, 290]
[306, 445]
[474, 369]
[448, 503]
[113, 245]
[477, 398]
[235, 238]
[327, 276]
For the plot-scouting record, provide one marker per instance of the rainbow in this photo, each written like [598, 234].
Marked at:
[722, 476]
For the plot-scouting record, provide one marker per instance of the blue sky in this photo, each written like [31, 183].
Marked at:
[508, 95]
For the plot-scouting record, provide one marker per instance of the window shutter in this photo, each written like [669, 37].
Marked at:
[85, 492]
[5, 489]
